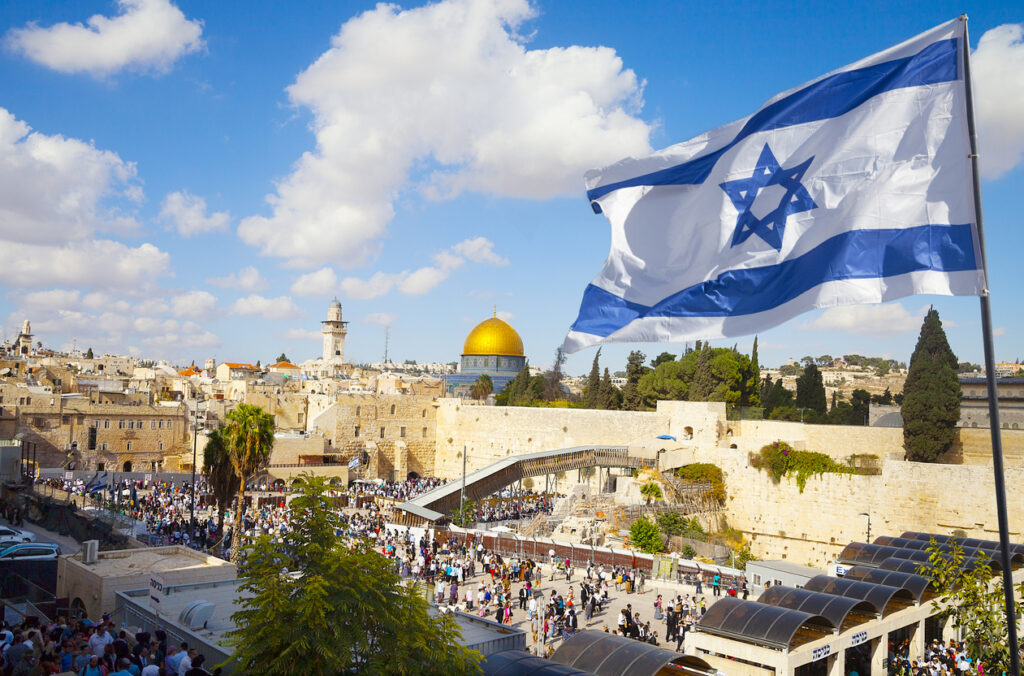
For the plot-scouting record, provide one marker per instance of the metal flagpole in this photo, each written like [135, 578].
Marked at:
[990, 376]
[462, 497]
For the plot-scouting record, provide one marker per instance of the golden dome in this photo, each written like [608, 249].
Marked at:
[493, 337]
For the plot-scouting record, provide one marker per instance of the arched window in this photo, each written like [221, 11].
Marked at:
[392, 409]
[424, 415]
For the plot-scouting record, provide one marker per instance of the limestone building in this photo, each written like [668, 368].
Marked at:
[492, 348]
[334, 331]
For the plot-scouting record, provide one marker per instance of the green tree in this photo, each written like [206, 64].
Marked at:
[689, 552]
[931, 394]
[553, 383]
[646, 537]
[825, 360]
[635, 370]
[249, 439]
[347, 612]
[88, 353]
[223, 480]
[465, 517]
[283, 358]
[752, 386]
[592, 391]
[766, 390]
[516, 390]
[975, 604]
[810, 390]
[482, 387]
[779, 397]
[651, 491]
[703, 385]
[662, 358]
[669, 381]
[609, 396]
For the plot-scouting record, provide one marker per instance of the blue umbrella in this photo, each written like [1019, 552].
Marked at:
[667, 436]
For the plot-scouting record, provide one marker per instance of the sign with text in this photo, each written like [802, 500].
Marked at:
[157, 591]
[858, 638]
[149, 477]
[821, 653]
[69, 475]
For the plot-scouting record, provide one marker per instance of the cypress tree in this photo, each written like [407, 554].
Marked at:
[609, 397]
[766, 390]
[703, 385]
[931, 394]
[635, 369]
[752, 394]
[592, 393]
[810, 390]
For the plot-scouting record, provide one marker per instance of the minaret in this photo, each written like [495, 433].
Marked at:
[334, 331]
[25, 339]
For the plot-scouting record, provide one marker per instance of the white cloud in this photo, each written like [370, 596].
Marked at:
[323, 282]
[382, 318]
[456, 89]
[268, 308]
[871, 320]
[149, 306]
[186, 213]
[101, 264]
[55, 189]
[194, 304]
[53, 299]
[479, 250]
[505, 315]
[246, 279]
[999, 331]
[146, 35]
[377, 285]
[997, 68]
[300, 334]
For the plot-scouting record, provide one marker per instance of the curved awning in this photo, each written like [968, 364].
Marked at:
[919, 586]
[964, 542]
[764, 624]
[983, 550]
[842, 611]
[905, 565]
[522, 663]
[612, 655]
[883, 598]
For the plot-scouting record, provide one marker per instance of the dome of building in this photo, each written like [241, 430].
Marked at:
[493, 337]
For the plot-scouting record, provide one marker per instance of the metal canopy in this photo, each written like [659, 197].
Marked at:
[905, 565]
[764, 624]
[883, 598]
[612, 655]
[842, 611]
[917, 585]
[522, 663]
[991, 545]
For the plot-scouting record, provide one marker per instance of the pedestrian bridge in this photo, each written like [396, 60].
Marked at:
[435, 505]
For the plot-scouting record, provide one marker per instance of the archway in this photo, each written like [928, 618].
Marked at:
[77, 608]
[412, 476]
[688, 433]
[127, 467]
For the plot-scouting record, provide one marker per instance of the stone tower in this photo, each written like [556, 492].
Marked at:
[334, 331]
[24, 343]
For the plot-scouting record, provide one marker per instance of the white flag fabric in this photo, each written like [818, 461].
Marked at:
[853, 188]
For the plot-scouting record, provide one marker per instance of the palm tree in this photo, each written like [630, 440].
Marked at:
[250, 438]
[651, 491]
[220, 474]
[482, 387]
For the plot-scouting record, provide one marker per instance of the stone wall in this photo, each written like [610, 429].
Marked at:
[399, 431]
[838, 441]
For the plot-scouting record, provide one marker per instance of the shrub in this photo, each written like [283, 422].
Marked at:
[779, 459]
[689, 552]
[704, 471]
[646, 537]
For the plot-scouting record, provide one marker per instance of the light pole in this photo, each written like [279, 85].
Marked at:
[195, 442]
[869, 524]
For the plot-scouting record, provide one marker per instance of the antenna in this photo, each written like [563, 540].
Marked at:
[387, 341]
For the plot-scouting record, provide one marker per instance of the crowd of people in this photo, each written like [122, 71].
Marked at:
[940, 659]
[88, 648]
[395, 490]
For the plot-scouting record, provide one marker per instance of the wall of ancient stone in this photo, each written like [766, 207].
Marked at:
[387, 420]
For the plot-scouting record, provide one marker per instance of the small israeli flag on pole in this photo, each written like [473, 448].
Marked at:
[853, 188]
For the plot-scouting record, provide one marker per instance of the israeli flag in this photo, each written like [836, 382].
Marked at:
[853, 188]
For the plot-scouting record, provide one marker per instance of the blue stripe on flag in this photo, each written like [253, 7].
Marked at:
[858, 254]
[830, 97]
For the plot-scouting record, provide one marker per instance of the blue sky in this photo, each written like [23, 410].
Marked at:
[185, 180]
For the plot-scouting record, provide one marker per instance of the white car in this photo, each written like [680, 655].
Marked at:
[8, 533]
[27, 551]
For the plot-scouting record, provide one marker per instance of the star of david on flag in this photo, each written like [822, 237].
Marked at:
[852, 188]
[744, 191]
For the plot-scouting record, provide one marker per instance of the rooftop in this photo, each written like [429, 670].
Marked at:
[127, 562]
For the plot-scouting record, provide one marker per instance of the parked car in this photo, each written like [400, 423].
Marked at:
[9, 533]
[30, 551]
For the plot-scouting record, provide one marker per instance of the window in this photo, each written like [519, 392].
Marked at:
[65, 420]
[357, 410]
[159, 445]
[129, 446]
[424, 415]
[120, 424]
[105, 448]
[424, 432]
[381, 432]
[160, 424]
[356, 432]
[401, 432]
[392, 409]
[152, 424]
[169, 424]
[757, 579]
[106, 424]
[138, 425]
[101, 466]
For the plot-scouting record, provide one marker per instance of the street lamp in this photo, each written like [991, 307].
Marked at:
[195, 441]
[869, 524]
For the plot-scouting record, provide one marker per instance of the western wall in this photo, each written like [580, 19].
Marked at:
[777, 519]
